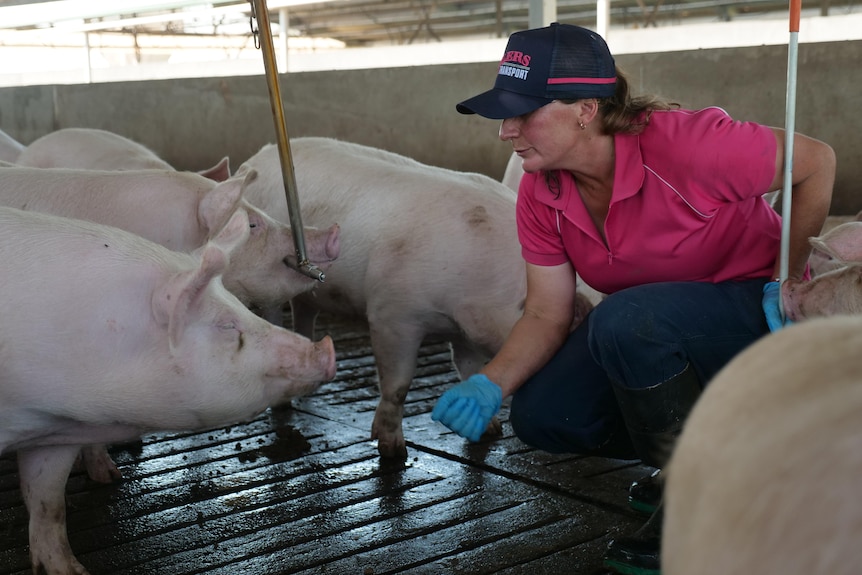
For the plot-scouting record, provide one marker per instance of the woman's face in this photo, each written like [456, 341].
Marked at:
[545, 137]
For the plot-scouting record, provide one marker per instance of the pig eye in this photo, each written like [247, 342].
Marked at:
[227, 325]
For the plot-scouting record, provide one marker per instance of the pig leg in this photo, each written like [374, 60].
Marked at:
[99, 465]
[43, 472]
[396, 348]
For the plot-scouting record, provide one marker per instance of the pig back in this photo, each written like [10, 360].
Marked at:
[403, 223]
[160, 205]
[89, 148]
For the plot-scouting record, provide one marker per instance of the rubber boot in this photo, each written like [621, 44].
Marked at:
[645, 493]
[638, 554]
[654, 417]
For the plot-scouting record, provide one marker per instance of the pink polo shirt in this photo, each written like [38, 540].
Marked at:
[686, 206]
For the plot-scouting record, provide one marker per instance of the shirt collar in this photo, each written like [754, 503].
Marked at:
[628, 177]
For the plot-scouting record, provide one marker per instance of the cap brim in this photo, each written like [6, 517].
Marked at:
[498, 104]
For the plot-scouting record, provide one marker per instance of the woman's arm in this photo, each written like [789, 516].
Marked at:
[542, 329]
[811, 193]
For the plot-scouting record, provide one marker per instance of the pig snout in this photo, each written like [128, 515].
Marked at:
[836, 292]
[305, 364]
[325, 351]
[790, 291]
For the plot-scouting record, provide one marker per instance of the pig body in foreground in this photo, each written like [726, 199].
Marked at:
[181, 211]
[425, 252]
[107, 336]
[93, 149]
[765, 477]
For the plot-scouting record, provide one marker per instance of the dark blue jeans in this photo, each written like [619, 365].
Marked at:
[638, 337]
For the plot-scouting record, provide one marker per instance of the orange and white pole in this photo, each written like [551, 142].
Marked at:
[790, 129]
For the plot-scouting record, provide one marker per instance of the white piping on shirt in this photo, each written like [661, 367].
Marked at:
[665, 182]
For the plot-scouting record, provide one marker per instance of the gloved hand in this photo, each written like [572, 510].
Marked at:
[771, 297]
[468, 407]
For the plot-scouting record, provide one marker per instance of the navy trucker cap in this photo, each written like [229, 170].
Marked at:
[560, 61]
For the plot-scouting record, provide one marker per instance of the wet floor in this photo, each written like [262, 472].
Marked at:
[301, 490]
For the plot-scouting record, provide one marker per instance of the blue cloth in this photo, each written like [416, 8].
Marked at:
[771, 309]
[468, 408]
[637, 337]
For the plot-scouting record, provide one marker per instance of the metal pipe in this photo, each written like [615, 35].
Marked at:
[287, 172]
[789, 131]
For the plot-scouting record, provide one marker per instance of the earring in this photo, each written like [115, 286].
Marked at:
[582, 125]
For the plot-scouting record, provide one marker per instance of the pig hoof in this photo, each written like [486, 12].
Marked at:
[392, 451]
[494, 430]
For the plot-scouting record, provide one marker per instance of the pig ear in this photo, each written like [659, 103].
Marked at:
[175, 301]
[249, 177]
[220, 172]
[219, 203]
[233, 234]
[819, 244]
[843, 243]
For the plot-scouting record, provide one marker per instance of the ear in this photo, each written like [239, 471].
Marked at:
[233, 234]
[589, 109]
[249, 176]
[220, 203]
[175, 300]
[818, 244]
[220, 172]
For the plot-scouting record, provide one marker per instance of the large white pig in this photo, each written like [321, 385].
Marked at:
[94, 149]
[765, 476]
[425, 252]
[107, 336]
[180, 210]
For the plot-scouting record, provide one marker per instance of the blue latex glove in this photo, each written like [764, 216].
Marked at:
[771, 297]
[468, 407]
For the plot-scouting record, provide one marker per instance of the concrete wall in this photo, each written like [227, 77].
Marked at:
[192, 123]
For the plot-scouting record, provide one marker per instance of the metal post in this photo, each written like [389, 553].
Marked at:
[789, 131]
[270, 65]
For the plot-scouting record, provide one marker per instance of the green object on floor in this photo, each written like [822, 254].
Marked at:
[625, 569]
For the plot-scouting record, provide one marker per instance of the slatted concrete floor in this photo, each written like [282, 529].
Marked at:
[302, 490]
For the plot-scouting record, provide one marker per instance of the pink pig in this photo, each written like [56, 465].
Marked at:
[425, 252]
[181, 211]
[93, 149]
[836, 285]
[108, 336]
[764, 479]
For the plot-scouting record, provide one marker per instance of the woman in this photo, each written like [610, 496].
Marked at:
[662, 209]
